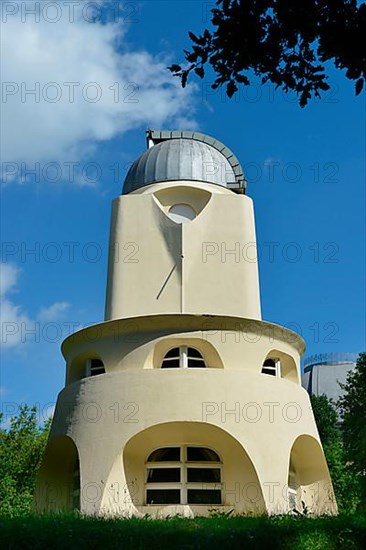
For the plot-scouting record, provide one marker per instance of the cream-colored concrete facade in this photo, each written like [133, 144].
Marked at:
[132, 436]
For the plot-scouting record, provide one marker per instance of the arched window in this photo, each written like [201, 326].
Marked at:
[94, 367]
[281, 365]
[183, 475]
[272, 367]
[183, 357]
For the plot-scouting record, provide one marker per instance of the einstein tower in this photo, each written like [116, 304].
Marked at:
[183, 400]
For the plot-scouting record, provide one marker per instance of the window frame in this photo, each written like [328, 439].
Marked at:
[184, 485]
[183, 357]
[89, 368]
[276, 369]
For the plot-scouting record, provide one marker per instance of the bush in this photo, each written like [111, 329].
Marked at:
[21, 451]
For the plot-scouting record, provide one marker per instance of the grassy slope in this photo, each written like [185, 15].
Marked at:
[69, 532]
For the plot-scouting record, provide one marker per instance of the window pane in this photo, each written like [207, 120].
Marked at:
[269, 371]
[192, 352]
[172, 353]
[96, 367]
[96, 363]
[269, 363]
[206, 475]
[201, 454]
[163, 475]
[167, 454]
[95, 372]
[163, 496]
[201, 496]
[170, 364]
[196, 363]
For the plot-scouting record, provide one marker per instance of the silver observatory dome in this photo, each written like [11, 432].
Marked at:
[190, 156]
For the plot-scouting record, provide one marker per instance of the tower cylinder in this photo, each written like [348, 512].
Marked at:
[159, 264]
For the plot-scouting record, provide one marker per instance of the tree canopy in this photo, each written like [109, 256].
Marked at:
[345, 482]
[352, 408]
[288, 43]
[21, 451]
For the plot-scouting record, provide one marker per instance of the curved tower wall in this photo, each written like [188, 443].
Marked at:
[157, 266]
[183, 286]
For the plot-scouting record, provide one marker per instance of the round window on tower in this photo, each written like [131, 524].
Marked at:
[182, 213]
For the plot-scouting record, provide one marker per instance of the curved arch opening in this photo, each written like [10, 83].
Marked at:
[309, 485]
[58, 485]
[179, 464]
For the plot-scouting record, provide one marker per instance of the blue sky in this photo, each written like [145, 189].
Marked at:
[305, 171]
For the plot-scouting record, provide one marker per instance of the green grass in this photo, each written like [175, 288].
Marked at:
[281, 532]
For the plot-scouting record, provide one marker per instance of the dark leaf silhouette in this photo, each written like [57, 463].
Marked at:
[359, 85]
[231, 88]
[288, 43]
[200, 71]
[175, 68]
[184, 78]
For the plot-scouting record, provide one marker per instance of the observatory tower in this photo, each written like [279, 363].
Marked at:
[183, 400]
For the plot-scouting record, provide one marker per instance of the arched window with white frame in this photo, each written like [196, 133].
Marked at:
[272, 367]
[183, 357]
[183, 475]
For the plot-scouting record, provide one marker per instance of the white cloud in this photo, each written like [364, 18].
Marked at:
[8, 277]
[17, 326]
[136, 88]
[12, 316]
[53, 312]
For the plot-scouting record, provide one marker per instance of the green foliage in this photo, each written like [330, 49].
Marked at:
[21, 450]
[326, 418]
[286, 42]
[226, 533]
[352, 408]
[345, 483]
